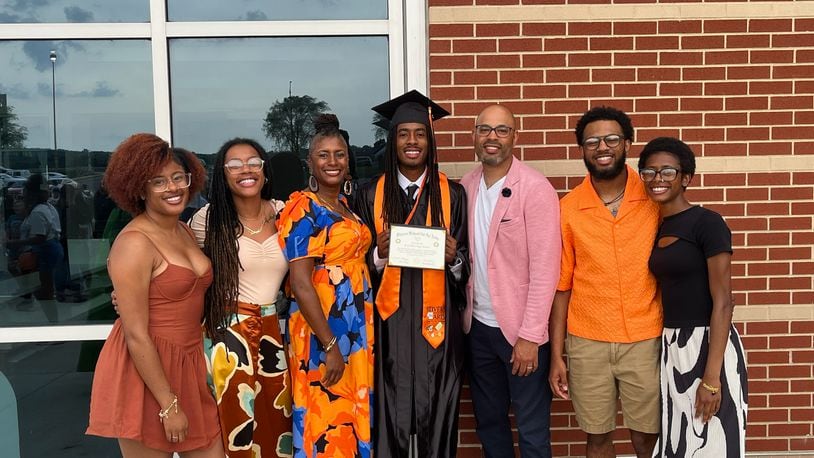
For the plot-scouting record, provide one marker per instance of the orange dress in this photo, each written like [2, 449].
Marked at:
[335, 421]
[121, 405]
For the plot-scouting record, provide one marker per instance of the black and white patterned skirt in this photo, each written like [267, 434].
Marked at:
[683, 361]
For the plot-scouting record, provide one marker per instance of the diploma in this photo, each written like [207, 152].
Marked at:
[420, 247]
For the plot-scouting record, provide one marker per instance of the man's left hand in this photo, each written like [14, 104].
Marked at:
[451, 249]
[524, 357]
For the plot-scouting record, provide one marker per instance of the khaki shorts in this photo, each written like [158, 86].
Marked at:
[601, 372]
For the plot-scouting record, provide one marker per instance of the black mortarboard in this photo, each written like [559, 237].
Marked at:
[383, 123]
[411, 106]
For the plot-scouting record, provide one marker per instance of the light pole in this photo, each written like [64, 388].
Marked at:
[53, 58]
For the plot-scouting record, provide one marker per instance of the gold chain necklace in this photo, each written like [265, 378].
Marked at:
[254, 231]
[330, 206]
[249, 229]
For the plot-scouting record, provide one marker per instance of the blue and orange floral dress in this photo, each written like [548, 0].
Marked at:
[330, 421]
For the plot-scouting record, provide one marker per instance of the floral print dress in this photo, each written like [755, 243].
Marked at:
[330, 421]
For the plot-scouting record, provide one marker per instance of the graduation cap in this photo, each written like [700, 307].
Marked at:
[411, 106]
[382, 123]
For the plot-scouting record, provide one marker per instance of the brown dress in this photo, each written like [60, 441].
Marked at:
[121, 405]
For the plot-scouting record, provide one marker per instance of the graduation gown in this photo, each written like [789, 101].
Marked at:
[417, 386]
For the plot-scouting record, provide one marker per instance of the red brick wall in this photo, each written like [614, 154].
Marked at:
[740, 91]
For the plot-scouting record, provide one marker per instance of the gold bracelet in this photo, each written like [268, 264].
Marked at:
[165, 413]
[710, 388]
[330, 345]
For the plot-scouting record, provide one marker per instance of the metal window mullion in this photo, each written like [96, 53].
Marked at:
[23, 334]
[161, 69]
[74, 31]
[416, 42]
[227, 29]
[398, 69]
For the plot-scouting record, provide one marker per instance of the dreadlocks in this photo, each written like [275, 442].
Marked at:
[223, 228]
[395, 201]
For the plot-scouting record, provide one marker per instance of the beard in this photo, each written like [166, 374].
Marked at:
[492, 160]
[614, 171]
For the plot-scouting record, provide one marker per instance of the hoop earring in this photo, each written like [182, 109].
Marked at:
[267, 180]
[313, 184]
[347, 188]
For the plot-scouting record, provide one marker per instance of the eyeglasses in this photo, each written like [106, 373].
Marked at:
[162, 184]
[612, 141]
[501, 131]
[236, 165]
[666, 173]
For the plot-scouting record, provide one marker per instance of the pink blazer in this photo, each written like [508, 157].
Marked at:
[523, 252]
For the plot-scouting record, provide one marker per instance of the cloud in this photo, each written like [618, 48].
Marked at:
[22, 5]
[256, 15]
[14, 92]
[44, 90]
[77, 14]
[40, 51]
[102, 89]
[7, 18]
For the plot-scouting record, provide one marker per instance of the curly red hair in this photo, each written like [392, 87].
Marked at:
[136, 160]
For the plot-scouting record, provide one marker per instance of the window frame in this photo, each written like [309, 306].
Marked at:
[405, 28]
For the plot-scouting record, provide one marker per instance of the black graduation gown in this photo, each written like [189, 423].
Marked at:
[417, 386]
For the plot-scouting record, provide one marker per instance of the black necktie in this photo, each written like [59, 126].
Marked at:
[411, 190]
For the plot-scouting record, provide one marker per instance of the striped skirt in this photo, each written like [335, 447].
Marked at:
[683, 361]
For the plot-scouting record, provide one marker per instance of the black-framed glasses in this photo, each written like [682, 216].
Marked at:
[162, 184]
[501, 131]
[666, 173]
[612, 140]
[236, 165]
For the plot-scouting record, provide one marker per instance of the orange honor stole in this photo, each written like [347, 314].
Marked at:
[434, 313]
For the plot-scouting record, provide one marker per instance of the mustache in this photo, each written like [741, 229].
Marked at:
[497, 144]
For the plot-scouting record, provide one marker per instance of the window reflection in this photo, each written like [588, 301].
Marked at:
[29, 11]
[45, 399]
[102, 92]
[249, 87]
[275, 10]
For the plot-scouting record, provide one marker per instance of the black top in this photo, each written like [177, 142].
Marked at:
[681, 267]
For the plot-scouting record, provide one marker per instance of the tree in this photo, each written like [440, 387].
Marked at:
[381, 127]
[12, 135]
[288, 122]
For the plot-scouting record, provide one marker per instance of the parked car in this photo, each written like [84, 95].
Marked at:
[60, 181]
[6, 180]
[22, 173]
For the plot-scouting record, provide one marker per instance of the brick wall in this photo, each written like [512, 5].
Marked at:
[734, 80]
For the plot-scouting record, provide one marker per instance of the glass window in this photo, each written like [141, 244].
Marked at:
[62, 134]
[225, 88]
[274, 10]
[45, 399]
[28, 11]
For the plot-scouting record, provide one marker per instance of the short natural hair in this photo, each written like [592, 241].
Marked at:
[603, 113]
[671, 145]
[136, 160]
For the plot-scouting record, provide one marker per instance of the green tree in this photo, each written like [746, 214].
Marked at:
[12, 135]
[288, 122]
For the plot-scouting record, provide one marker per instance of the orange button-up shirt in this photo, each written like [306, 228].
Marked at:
[614, 297]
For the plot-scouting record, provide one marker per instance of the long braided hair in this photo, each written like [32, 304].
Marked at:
[222, 231]
[395, 200]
